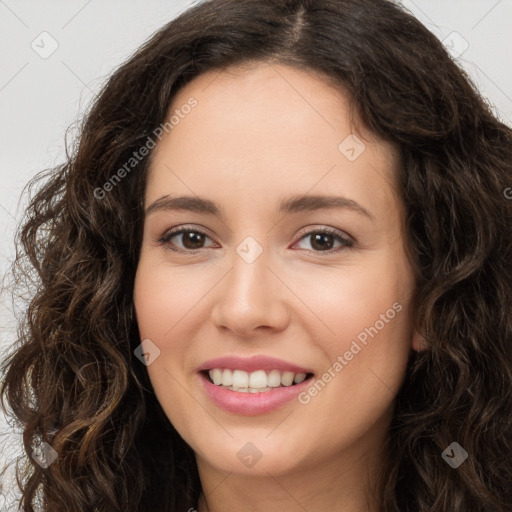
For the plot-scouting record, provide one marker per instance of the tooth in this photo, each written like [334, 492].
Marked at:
[299, 378]
[258, 379]
[240, 379]
[251, 390]
[274, 379]
[227, 378]
[254, 382]
[217, 376]
[240, 390]
[287, 378]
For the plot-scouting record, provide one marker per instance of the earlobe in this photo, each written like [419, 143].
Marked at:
[419, 343]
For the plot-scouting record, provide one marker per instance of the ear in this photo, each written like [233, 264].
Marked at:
[419, 343]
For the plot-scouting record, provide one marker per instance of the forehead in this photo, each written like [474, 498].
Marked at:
[252, 98]
[270, 129]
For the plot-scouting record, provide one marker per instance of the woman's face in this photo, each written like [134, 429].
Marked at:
[267, 157]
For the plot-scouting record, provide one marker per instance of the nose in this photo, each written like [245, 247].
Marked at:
[251, 299]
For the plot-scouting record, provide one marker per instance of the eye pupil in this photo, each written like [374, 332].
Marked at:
[318, 236]
[193, 239]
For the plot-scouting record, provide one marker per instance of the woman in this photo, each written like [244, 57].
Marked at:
[236, 367]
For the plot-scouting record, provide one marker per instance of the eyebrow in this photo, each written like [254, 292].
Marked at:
[292, 204]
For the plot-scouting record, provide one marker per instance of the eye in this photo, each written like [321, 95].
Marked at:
[322, 240]
[192, 242]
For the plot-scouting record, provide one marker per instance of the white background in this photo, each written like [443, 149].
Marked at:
[40, 98]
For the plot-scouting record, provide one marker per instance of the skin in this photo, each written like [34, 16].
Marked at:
[260, 133]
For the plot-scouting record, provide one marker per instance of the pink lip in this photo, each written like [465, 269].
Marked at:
[251, 404]
[251, 364]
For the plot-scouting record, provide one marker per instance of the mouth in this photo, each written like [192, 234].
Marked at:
[255, 385]
[258, 381]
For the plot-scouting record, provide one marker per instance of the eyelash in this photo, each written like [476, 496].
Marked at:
[346, 242]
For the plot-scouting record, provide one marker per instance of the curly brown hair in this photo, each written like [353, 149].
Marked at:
[72, 379]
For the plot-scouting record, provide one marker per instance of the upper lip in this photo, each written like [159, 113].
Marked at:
[250, 364]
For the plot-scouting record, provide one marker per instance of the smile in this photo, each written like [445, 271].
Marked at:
[259, 381]
[252, 386]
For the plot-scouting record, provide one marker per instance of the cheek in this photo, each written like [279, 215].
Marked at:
[165, 298]
[349, 300]
[367, 312]
[363, 368]
[164, 295]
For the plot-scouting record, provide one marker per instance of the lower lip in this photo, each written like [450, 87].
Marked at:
[252, 404]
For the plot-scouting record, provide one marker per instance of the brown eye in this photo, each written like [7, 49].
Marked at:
[191, 240]
[323, 240]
